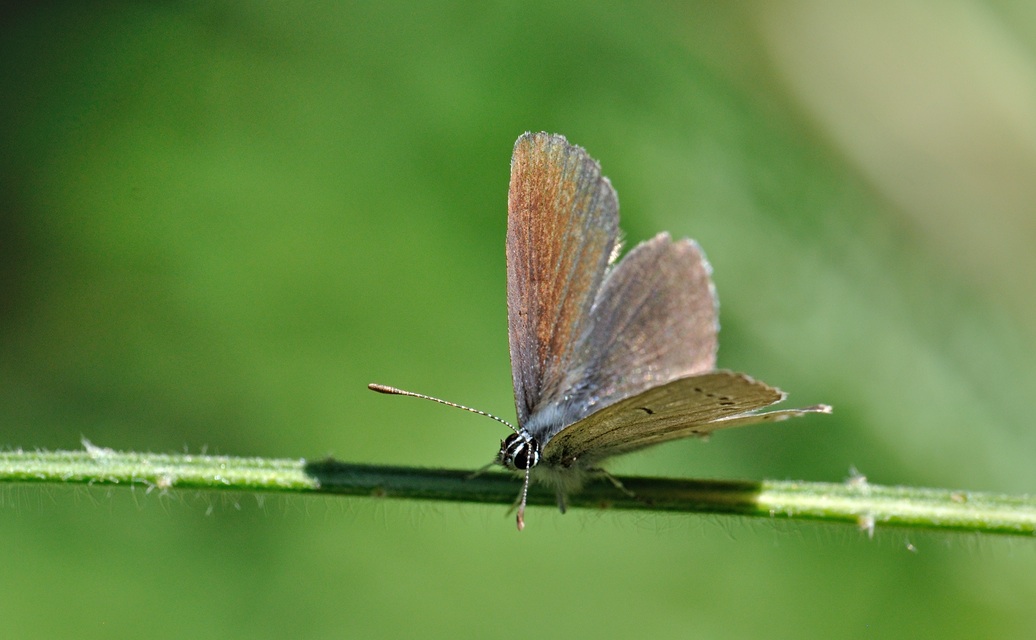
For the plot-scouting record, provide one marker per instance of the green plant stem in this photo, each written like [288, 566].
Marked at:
[855, 501]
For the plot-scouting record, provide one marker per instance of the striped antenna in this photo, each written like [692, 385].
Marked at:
[392, 391]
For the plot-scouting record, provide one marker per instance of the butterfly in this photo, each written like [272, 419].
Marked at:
[608, 356]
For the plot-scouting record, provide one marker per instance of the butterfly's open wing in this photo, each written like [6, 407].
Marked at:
[562, 227]
[693, 406]
[654, 321]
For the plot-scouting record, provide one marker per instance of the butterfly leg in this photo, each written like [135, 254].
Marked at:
[477, 472]
[561, 501]
[615, 482]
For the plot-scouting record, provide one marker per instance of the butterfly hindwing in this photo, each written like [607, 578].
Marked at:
[692, 406]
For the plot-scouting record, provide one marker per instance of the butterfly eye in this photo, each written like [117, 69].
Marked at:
[519, 453]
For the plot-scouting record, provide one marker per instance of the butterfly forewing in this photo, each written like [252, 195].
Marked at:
[562, 225]
[654, 321]
[695, 405]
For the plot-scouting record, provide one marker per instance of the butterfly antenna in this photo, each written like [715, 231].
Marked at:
[520, 517]
[392, 391]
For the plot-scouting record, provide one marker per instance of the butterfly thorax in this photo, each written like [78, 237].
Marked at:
[549, 419]
[522, 452]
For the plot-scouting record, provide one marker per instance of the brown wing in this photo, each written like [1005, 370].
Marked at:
[693, 406]
[654, 321]
[562, 226]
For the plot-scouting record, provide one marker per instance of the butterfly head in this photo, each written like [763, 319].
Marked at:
[519, 452]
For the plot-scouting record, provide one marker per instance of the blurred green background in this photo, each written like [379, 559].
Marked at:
[221, 220]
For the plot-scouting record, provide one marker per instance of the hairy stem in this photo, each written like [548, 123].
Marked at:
[854, 501]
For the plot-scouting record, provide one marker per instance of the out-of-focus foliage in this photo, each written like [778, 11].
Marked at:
[219, 222]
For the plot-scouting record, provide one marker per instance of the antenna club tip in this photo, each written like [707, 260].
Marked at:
[380, 388]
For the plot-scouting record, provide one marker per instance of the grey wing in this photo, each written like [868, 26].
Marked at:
[692, 406]
[654, 321]
[562, 227]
